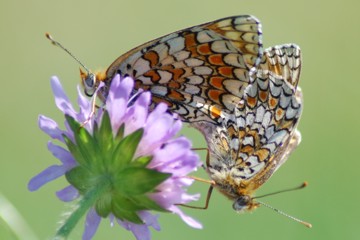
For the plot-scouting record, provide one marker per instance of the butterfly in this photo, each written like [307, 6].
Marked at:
[217, 77]
[199, 72]
[259, 137]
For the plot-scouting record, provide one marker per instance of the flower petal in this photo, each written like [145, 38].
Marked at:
[50, 127]
[91, 224]
[137, 114]
[61, 100]
[188, 220]
[46, 176]
[117, 100]
[174, 194]
[160, 127]
[142, 231]
[176, 127]
[156, 134]
[150, 219]
[158, 111]
[180, 160]
[63, 155]
[67, 194]
[84, 103]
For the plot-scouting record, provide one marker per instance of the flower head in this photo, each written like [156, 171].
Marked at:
[122, 163]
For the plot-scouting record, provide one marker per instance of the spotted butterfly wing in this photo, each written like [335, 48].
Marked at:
[199, 72]
[253, 143]
[283, 60]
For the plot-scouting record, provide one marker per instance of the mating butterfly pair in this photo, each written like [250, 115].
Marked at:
[217, 77]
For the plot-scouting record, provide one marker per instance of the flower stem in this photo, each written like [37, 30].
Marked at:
[84, 205]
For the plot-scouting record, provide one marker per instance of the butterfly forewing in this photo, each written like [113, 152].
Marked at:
[200, 72]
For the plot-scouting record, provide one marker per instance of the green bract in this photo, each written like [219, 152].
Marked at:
[107, 162]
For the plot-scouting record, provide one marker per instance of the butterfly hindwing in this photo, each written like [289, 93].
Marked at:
[283, 60]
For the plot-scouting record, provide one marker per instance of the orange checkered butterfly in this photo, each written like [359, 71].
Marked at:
[253, 142]
[257, 139]
[200, 72]
[217, 77]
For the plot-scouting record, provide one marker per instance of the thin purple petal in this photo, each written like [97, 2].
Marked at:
[188, 220]
[67, 194]
[160, 127]
[158, 111]
[150, 219]
[175, 193]
[117, 100]
[174, 153]
[156, 134]
[91, 224]
[61, 100]
[46, 176]
[50, 127]
[137, 114]
[176, 127]
[63, 155]
[142, 231]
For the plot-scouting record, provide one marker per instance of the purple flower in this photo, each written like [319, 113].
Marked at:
[122, 163]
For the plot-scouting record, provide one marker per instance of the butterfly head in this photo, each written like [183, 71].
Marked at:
[91, 81]
[239, 192]
[244, 203]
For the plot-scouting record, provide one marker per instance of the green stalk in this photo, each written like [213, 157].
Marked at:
[84, 205]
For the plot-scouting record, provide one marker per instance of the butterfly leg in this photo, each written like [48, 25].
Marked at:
[211, 182]
[206, 203]
[207, 155]
[92, 113]
[94, 107]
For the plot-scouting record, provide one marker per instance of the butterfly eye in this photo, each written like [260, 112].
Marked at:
[241, 203]
[89, 84]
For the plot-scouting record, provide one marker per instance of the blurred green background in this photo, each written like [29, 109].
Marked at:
[97, 32]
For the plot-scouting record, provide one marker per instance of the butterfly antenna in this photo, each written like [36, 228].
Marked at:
[287, 215]
[304, 184]
[90, 76]
[56, 43]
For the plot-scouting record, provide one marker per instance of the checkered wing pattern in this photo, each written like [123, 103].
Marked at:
[199, 72]
[217, 77]
[261, 134]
